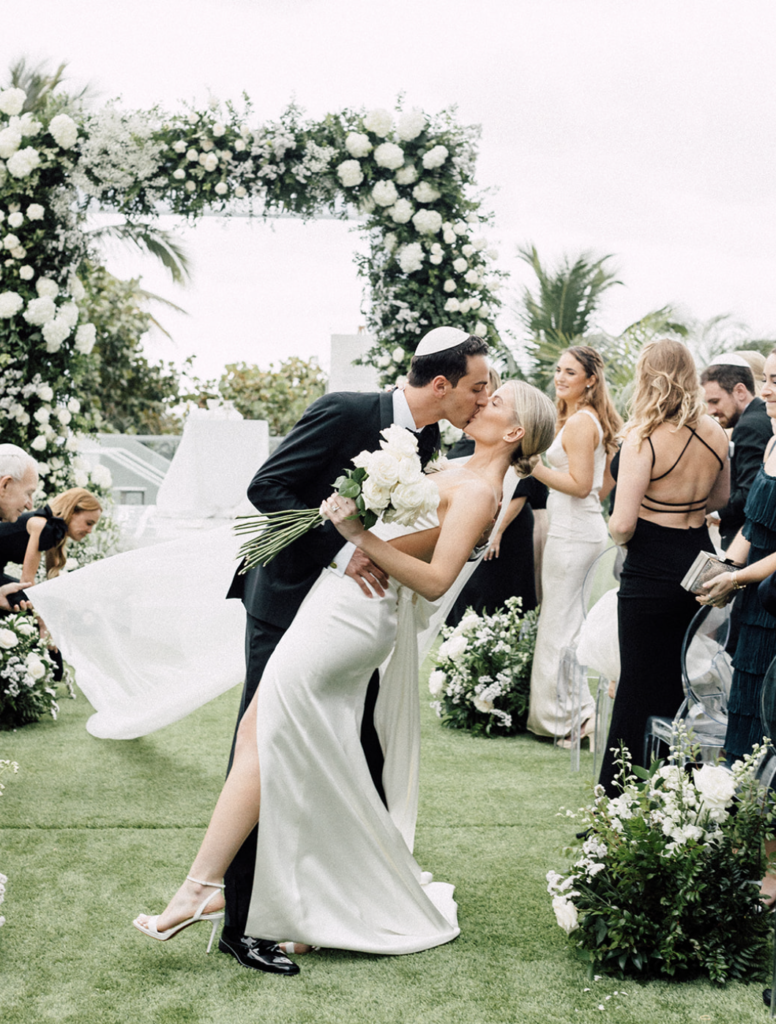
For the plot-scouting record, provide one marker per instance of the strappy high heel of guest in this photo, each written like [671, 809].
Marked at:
[150, 929]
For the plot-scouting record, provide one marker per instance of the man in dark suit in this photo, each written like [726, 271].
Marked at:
[448, 380]
[729, 387]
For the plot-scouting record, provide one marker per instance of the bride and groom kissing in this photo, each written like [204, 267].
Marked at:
[323, 755]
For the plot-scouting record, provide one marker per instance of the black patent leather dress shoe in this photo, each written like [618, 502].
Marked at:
[259, 954]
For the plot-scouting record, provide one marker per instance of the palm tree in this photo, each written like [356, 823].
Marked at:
[563, 308]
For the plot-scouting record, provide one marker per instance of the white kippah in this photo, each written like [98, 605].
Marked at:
[730, 359]
[440, 339]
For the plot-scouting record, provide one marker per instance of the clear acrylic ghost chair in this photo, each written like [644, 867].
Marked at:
[707, 673]
[573, 677]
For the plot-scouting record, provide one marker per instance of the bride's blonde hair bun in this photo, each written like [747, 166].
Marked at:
[537, 415]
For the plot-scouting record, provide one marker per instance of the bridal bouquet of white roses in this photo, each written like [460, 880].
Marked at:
[667, 880]
[387, 484]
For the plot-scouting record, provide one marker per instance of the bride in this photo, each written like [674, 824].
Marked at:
[334, 866]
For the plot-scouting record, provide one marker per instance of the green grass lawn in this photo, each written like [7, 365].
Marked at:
[94, 832]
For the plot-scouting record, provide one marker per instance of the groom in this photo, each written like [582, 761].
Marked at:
[448, 379]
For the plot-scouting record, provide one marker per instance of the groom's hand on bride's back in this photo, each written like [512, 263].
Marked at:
[368, 576]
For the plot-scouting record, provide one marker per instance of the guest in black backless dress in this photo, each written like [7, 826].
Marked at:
[665, 487]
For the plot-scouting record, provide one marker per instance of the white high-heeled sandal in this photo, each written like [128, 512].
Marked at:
[150, 929]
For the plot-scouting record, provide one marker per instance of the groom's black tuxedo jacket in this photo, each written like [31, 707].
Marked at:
[750, 437]
[299, 475]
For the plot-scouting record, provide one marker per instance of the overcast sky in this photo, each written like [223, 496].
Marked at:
[644, 130]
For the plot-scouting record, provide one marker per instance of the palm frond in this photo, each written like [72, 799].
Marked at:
[154, 241]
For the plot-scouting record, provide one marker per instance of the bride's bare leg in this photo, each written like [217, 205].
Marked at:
[235, 815]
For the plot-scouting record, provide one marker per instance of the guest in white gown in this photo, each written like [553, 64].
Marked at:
[334, 866]
[587, 426]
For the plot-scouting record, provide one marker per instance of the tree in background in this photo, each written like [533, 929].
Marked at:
[278, 396]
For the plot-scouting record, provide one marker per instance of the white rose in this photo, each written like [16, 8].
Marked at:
[399, 442]
[452, 305]
[350, 173]
[19, 252]
[10, 140]
[409, 500]
[74, 405]
[436, 683]
[449, 286]
[460, 229]
[209, 161]
[179, 174]
[102, 476]
[482, 705]
[389, 155]
[240, 192]
[41, 415]
[398, 354]
[379, 121]
[468, 250]
[717, 788]
[358, 144]
[8, 639]
[460, 265]
[63, 416]
[190, 186]
[23, 162]
[221, 188]
[475, 302]
[64, 130]
[35, 666]
[472, 276]
[435, 157]
[465, 306]
[46, 288]
[480, 330]
[81, 478]
[12, 101]
[193, 155]
[384, 193]
[480, 243]
[69, 313]
[45, 393]
[436, 259]
[39, 443]
[406, 175]
[239, 146]
[425, 193]
[75, 288]
[10, 304]
[40, 311]
[383, 469]
[10, 241]
[401, 211]
[565, 914]
[23, 418]
[383, 361]
[410, 257]
[85, 337]
[410, 125]
[427, 222]
[26, 273]
[376, 498]
[180, 146]
[206, 145]
[218, 130]
[449, 237]
[391, 241]
[492, 254]
[15, 220]
[453, 647]
[410, 471]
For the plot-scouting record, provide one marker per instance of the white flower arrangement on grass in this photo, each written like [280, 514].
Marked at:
[27, 687]
[387, 484]
[667, 880]
[483, 676]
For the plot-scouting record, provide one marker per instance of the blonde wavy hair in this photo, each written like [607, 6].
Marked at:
[597, 397]
[65, 506]
[536, 414]
[668, 389]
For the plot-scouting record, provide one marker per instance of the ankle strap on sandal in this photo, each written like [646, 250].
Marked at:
[212, 885]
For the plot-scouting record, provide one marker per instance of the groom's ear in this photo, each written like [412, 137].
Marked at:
[440, 386]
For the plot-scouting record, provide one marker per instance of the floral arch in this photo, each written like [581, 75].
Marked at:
[409, 174]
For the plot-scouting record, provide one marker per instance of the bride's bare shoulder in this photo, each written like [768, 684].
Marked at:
[459, 484]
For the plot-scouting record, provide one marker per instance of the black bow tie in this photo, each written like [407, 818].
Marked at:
[428, 442]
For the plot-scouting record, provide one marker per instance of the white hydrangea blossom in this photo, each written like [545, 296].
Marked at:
[40, 311]
[85, 337]
[55, 332]
[10, 304]
[46, 288]
[26, 273]
[401, 211]
[64, 131]
[410, 257]
[358, 144]
[406, 175]
[12, 101]
[411, 123]
[389, 155]
[427, 222]
[10, 140]
[349, 173]
[384, 193]
[435, 157]
[425, 193]
[23, 162]
[379, 121]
